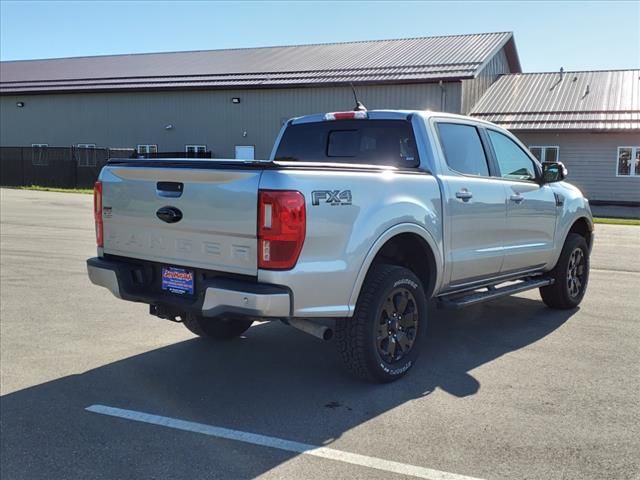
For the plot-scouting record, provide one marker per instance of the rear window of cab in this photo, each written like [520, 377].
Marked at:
[373, 142]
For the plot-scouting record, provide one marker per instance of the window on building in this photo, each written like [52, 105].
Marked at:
[463, 148]
[628, 162]
[545, 153]
[39, 154]
[245, 152]
[144, 149]
[512, 160]
[86, 155]
[195, 148]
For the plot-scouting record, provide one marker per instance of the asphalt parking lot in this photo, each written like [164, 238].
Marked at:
[507, 390]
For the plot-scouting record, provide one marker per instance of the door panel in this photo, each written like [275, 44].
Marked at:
[475, 205]
[531, 222]
[531, 208]
[476, 227]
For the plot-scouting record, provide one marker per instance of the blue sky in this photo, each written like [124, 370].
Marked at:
[577, 35]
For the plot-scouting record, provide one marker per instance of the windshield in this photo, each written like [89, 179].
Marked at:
[374, 142]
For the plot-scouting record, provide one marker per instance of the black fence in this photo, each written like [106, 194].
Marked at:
[173, 155]
[66, 167]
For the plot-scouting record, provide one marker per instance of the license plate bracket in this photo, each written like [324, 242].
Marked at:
[179, 281]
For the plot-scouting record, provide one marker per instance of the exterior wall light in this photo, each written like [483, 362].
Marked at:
[19, 104]
[168, 127]
[235, 100]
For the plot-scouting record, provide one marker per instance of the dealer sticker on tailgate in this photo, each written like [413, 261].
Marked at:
[177, 280]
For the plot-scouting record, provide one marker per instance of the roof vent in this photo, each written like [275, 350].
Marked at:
[586, 91]
[555, 84]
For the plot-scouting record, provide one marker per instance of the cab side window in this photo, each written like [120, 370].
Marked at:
[513, 163]
[463, 148]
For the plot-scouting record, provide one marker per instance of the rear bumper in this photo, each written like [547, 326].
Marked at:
[213, 297]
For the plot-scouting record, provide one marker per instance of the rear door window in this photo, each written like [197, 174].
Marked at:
[374, 142]
[463, 149]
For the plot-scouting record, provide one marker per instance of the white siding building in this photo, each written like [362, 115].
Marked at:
[590, 121]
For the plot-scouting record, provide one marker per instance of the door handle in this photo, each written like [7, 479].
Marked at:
[169, 189]
[516, 198]
[464, 195]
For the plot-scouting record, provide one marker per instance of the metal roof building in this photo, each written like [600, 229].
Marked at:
[232, 103]
[424, 59]
[596, 100]
[588, 120]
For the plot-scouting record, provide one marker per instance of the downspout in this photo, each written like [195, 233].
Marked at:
[443, 96]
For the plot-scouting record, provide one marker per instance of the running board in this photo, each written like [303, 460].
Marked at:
[472, 297]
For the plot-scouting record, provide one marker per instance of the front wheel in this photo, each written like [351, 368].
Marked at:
[382, 340]
[571, 275]
[216, 328]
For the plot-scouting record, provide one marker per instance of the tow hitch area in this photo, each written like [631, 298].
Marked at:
[166, 313]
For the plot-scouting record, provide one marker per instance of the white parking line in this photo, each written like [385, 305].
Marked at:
[279, 443]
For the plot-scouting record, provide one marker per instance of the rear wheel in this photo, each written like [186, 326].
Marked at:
[571, 275]
[216, 328]
[382, 340]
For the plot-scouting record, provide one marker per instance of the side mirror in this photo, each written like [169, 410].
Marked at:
[553, 172]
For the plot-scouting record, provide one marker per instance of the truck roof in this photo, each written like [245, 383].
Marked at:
[388, 114]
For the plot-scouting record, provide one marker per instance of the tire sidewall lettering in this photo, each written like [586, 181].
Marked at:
[406, 281]
[396, 371]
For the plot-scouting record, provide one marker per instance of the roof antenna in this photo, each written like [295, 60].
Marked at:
[359, 106]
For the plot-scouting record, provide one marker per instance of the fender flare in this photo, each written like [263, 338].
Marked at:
[567, 226]
[377, 246]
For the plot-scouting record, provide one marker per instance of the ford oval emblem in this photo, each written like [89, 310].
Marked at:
[169, 214]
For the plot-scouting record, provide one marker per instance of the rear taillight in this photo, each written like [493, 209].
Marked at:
[281, 228]
[97, 213]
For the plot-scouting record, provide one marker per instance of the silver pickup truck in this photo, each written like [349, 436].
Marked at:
[358, 220]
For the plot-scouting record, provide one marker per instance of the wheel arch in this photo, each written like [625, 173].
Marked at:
[583, 227]
[398, 244]
[579, 224]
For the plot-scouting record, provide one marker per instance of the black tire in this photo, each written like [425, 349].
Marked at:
[216, 328]
[571, 275]
[365, 341]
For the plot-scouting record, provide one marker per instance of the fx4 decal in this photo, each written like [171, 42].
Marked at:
[332, 197]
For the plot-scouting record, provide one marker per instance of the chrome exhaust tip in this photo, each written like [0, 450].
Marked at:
[312, 328]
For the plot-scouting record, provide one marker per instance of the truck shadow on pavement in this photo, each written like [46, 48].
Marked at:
[276, 381]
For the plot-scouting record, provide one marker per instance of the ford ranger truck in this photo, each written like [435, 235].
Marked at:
[356, 221]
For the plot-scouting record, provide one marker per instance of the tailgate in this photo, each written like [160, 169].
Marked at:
[218, 209]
